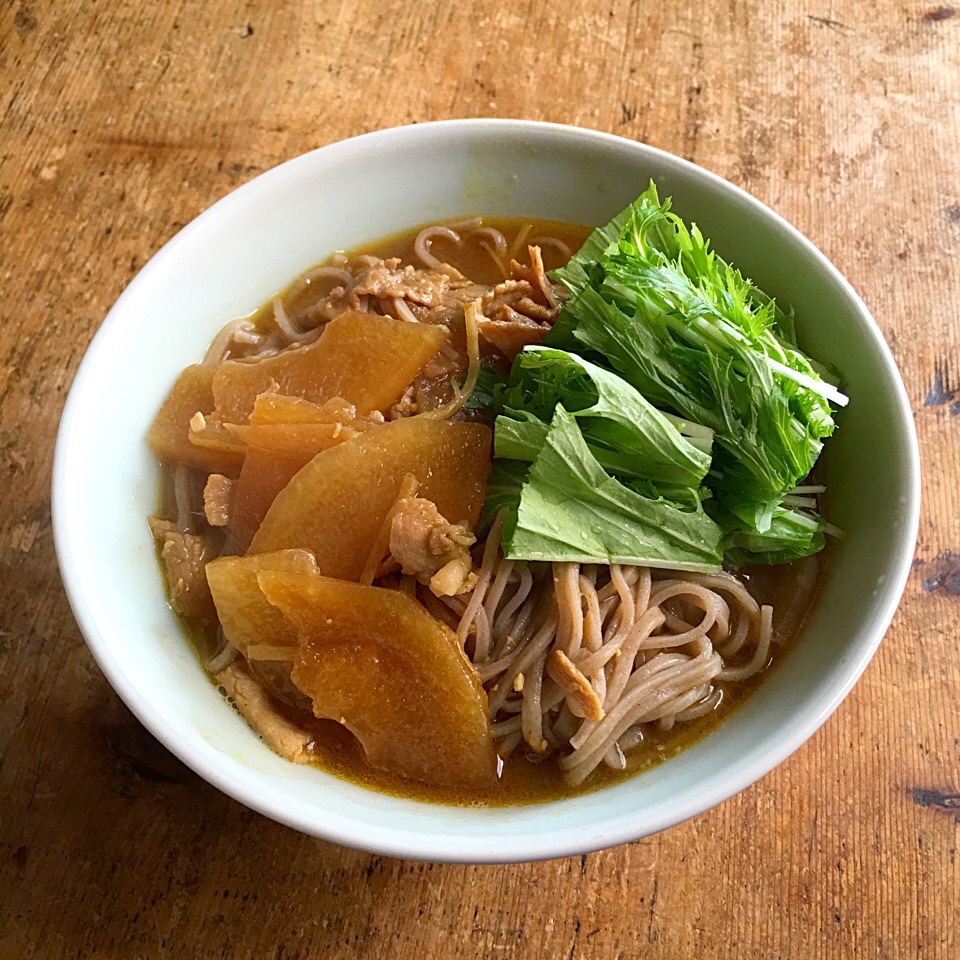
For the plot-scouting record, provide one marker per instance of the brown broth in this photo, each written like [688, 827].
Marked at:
[472, 260]
[790, 588]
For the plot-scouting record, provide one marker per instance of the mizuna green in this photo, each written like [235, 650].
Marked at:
[681, 382]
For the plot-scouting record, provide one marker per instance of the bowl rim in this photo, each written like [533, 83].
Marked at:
[540, 846]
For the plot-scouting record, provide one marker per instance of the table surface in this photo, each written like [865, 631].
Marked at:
[122, 121]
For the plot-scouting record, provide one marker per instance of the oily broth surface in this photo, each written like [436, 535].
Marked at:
[471, 260]
[474, 262]
[791, 587]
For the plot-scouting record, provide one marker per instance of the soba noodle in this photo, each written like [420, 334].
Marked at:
[646, 646]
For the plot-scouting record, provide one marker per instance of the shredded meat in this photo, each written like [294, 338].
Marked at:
[581, 696]
[182, 555]
[511, 336]
[536, 276]
[430, 548]
[455, 298]
[386, 279]
[293, 743]
[217, 497]
[512, 297]
[519, 311]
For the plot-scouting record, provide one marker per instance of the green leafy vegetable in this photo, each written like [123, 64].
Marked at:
[693, 336]
[570, 509]
[667, 380]
[626, 434]
[792, 534]
[503, 489]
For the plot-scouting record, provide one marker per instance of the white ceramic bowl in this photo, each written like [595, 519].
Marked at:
[254, 242]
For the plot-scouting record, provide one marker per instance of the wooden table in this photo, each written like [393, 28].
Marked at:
[122, 121]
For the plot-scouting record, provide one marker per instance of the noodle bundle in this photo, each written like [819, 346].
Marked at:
[639, 647]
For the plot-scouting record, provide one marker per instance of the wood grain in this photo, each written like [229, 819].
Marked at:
[122, 121]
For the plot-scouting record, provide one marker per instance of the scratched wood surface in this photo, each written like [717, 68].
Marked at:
[122, 121]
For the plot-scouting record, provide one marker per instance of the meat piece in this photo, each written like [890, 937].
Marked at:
[292, 742]
[447, 361]
[450, 312]
[511, 297]
[519, 311]
[512, 319]
[182, 555]
[387, 279]
[430, 548]
[406, 406]
[547, 292]
[511, 336]
[581, 697]
[217, 498]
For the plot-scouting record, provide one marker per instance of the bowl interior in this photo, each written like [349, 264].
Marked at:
[253, 243]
